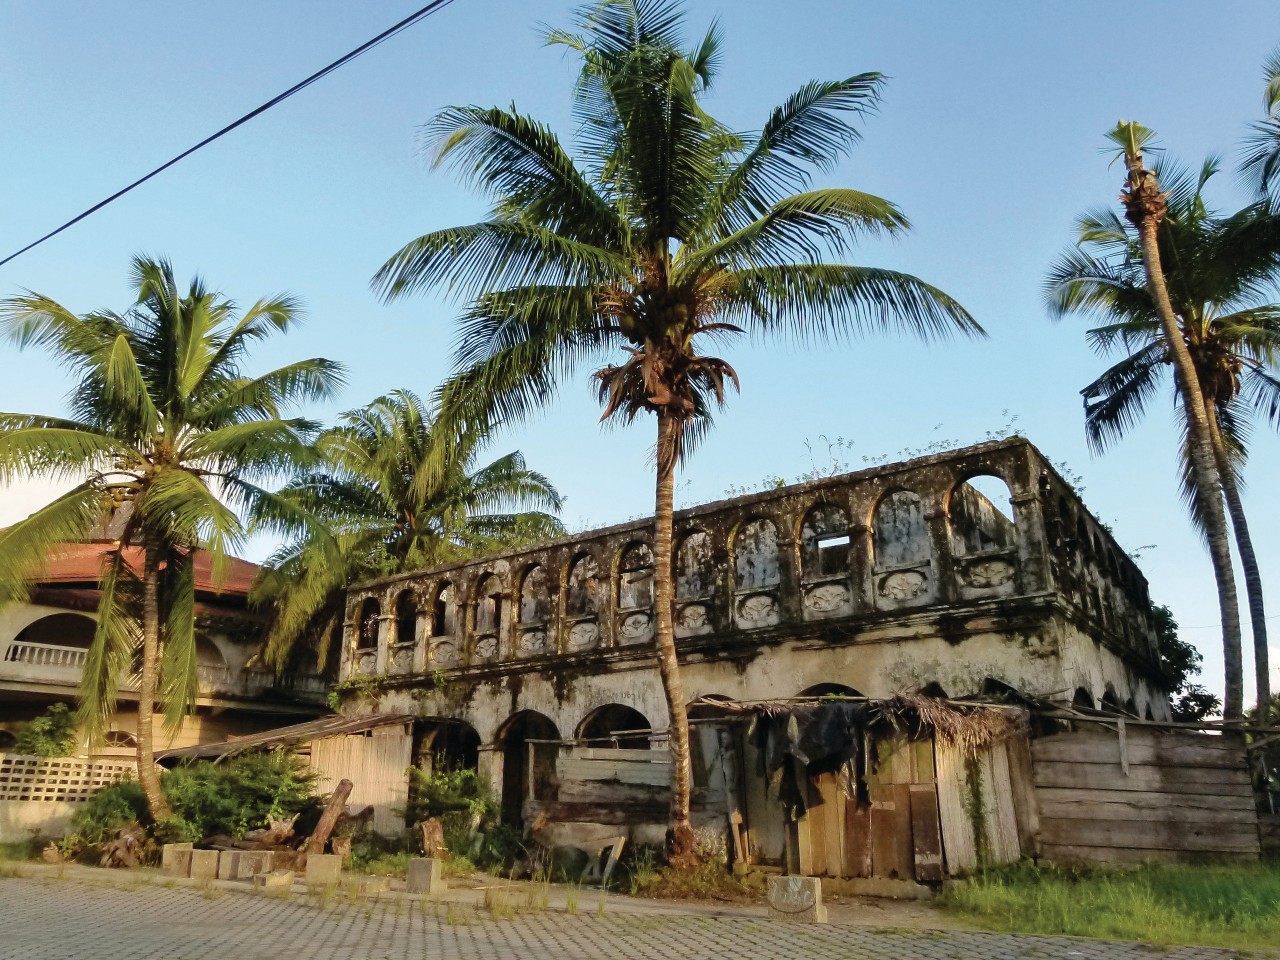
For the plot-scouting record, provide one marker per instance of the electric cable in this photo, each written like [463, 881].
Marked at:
[415, 17]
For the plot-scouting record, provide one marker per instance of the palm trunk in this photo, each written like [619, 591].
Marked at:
[668, 664]
[1146, 205]
[147, 776]
[1248, 562]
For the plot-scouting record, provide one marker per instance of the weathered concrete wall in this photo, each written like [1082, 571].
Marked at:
[890, 580]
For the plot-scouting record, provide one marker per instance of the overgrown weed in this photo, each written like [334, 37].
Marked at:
[1237, 906]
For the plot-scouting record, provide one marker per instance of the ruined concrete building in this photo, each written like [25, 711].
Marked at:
[537, 666]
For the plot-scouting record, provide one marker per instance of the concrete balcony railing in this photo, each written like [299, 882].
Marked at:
[52, 663]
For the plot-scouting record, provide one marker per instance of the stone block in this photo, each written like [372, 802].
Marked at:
[798, 899]
[176, 859]
[228, 864]
[167, 857]
[372, 885]
[426, 875]
[323, 869]
[275, 880]
[251, 863]
[204, 864]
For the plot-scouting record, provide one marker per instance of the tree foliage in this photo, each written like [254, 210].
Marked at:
[375, 508]
[1179, 665]
[52, 734]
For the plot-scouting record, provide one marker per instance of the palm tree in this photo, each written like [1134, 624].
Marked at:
[1220, 271]
[1144, 291]
[373, 510]
[669, 231]
[1261, 162]
[164, 422]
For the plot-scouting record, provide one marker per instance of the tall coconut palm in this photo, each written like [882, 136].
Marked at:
[1220, 271]
[1261, 161]
[163, 420]
[375, 509]
[1146, 210]
[668, 231]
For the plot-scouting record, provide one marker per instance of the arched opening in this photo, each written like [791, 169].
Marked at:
[59, 630]
[488, 605]
[635, 578]
[448, 745]
[535, 597]
[704, 708]
[1149, 715]
[901, 534]
[443, 612]
[981, 515]
[530, 745]
[824, 543]
[367, 632]
[1083, 699]
[211, 665]
[582, 587]
[755, 554]
[828, 690]
[120, 738]
[695, 574]
[993, 689]
[933, 689]
[616, 725]
[7, 740]
[1110, 701]
[406, 617]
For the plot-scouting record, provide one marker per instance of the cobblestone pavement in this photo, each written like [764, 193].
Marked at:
[44, 919]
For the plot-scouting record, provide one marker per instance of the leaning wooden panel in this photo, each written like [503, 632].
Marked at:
[959, 850]
[926, 834]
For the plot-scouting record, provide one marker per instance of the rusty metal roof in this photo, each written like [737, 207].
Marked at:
[282, 736]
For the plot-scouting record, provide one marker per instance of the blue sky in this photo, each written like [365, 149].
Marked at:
[989, 139]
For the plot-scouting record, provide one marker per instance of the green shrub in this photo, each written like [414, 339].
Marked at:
[109, 809]
[52, 734]
[207, 798]
[450, 792]
[239, 794]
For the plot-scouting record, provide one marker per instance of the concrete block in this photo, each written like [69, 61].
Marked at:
[798, 899]
[175, 858]
[372, 885]
[323, 869]
[228, 864]
[275, 880]
[426, 875]
[251, 863]
[204, 864]
[166, 856]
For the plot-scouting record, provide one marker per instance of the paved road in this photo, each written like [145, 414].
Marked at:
[49, 919]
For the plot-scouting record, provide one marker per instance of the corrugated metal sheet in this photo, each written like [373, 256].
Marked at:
[298, 733]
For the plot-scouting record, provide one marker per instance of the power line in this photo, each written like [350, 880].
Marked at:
[415, 17]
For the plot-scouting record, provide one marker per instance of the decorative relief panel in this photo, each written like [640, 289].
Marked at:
[486, 647]
[402, 659]
[533, 643]
[903, 585]
[988, 574]
[444, 652]
[636, 628]
[367, 661]
[693, 618]
[828, 599]
[583, 636]
[757, 610]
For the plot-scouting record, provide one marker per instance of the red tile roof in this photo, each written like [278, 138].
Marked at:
[82, 563]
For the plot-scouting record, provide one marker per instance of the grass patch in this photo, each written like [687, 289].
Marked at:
[1201, 906]
[382, 864]
[22, 849]
[708, 881]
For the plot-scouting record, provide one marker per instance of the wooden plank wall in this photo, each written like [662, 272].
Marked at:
[376, 765]
[1167, 796]
[976, 803]
[608, 786]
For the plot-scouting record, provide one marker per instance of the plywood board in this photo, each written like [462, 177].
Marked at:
[926, 835]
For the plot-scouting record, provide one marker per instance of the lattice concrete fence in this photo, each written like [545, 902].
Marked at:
[40, 794]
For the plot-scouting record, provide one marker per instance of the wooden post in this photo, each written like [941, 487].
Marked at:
[337, 804]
